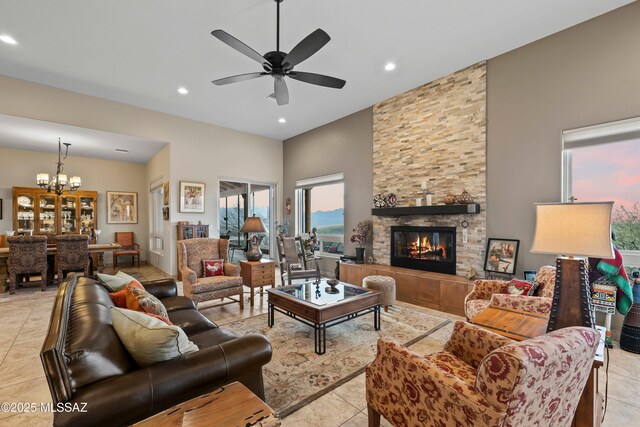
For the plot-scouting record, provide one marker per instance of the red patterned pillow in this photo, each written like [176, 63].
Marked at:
[520, 287]
[213, 267]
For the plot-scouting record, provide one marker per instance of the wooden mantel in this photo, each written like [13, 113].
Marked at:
[472, 208]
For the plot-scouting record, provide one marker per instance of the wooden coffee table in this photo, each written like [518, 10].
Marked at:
[231, 405]
[511, 323]
[316, 305]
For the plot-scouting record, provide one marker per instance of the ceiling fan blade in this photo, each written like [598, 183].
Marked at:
[317, 79]
[307, 47]
[281, 91]
[238, 78]
[238, 45]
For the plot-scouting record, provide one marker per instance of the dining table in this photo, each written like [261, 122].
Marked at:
[97, 249]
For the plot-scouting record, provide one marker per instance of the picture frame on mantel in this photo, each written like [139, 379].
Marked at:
[192, 197]
[122, 207]
[501, 256]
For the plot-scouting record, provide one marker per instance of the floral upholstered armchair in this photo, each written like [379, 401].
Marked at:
[191, 254]
[490, 293]
[482, 379]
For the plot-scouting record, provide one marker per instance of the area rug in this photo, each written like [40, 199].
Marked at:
[296, 375]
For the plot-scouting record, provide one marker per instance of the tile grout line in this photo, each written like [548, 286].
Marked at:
[17, 335]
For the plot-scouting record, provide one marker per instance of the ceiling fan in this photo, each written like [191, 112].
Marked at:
[279, 64]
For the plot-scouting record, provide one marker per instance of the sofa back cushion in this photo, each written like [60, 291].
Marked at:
[81, 346]
[546, 278]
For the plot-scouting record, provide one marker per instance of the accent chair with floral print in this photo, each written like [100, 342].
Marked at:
[482, 379]
[490, 293]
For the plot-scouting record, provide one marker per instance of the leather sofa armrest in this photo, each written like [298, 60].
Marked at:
[128, 398]
[161, 288]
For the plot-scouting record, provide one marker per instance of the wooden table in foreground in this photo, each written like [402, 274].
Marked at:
[515, 324]
[520, 325]
[230, 406]
[97, 249]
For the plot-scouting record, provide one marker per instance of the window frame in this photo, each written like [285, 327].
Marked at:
[156, 222]
[308, 184]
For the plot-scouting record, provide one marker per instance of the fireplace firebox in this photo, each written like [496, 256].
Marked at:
[424, 248]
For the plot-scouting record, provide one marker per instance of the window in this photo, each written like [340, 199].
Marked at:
[156, 243]
[238, 200]
[320, 205]
[602, 163]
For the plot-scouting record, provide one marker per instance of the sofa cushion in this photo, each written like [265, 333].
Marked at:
[212, 337]
[454, 365]
[215, 283]
[177, 303]
[92, 349]
[191, 321]
[119, 298]
[149, 340]
[521, 287]
[118, 281]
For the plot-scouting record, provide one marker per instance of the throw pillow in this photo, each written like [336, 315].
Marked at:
[141, 300]
[213, 267]
[148, 339]
[520, 287]
[117, 282]
[120, 298]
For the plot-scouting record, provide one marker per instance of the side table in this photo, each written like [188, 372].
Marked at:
[231, 405]
[257, 274]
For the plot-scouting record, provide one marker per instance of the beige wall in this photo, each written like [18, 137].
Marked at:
[18, 168]
[582, 76]
[158, 170]
[341, 146]
[198, 151]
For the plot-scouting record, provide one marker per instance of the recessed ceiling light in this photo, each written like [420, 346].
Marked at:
[8, 39]
[121, 150]
[390, 66]
[183, 90]
[282, 120]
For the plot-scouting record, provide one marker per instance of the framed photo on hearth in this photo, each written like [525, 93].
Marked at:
[122, 207]
[192, 197]
[501, 256]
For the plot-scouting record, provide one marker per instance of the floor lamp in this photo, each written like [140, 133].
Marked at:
[572, 229]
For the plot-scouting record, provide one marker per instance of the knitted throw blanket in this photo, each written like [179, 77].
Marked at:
[614, 270]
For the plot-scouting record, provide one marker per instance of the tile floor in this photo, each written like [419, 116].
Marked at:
[24, 318]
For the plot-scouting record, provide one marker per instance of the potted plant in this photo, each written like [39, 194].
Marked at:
[360, 235]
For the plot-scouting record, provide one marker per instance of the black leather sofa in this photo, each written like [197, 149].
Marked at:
[85, 362]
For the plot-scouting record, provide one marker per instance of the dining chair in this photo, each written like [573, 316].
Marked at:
[27, 255]
[73, 255]
[129, 248]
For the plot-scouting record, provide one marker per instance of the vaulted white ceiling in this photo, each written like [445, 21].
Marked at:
[139, 52]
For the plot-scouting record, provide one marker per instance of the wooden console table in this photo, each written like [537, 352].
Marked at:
[231, 405]
[438, 291]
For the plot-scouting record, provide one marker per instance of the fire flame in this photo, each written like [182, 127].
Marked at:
[422, 246]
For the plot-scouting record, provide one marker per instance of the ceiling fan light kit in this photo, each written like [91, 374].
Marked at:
[278, 64]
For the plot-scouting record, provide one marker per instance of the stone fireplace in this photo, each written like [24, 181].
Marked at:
[434, 133]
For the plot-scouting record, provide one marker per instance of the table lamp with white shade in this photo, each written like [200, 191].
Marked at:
[572, 230]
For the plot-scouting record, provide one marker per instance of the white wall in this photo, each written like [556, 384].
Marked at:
[18, 168]
[158, 169]
[198, 151]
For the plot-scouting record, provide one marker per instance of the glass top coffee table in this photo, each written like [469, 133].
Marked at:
[321, 306]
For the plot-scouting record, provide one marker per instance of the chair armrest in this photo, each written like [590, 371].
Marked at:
[161, 288]
[136, 245]
[402, 385]
[188, 275]
[483, 289]
[531, 304]
[231, 269]
[131, 397]
[472, 343]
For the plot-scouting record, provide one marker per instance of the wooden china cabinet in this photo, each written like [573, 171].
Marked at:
[42, 213]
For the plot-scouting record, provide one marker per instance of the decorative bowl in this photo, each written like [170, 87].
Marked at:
[332, 282]
[465, 198]
[449, 199]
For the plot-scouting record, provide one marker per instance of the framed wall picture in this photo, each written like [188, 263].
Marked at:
[122, 207]
[502, 256]
[165, 193]
[192, 197]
